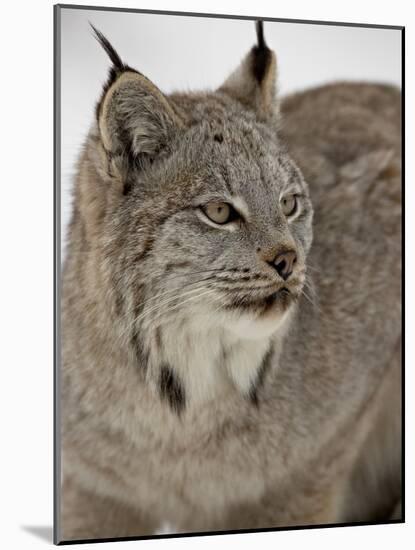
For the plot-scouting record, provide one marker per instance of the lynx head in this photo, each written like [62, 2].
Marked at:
[193, 206]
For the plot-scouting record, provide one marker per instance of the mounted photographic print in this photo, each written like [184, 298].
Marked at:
[228, 274]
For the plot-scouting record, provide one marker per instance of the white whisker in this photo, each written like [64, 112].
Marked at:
[159, 305]
[163, 313]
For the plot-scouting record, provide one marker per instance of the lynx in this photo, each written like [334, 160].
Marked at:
[231, 308]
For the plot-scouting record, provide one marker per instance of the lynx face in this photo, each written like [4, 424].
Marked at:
[230, 224]
[213, 218]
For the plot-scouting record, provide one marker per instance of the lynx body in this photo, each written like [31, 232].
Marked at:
[231, 308]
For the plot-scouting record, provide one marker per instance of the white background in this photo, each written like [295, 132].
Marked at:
[26, 229]
[183, 53]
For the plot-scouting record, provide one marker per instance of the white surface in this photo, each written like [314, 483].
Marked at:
[27, 279]
[183, 53]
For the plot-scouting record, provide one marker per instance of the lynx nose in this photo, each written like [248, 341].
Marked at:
[284, 263]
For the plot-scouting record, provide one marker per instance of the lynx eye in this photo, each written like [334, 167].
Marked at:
[289, 205]
[220, 212]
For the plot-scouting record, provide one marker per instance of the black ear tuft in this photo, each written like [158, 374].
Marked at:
[259, 25]
[262, 55]
[109, 49]
[254, 81]
[118, 66]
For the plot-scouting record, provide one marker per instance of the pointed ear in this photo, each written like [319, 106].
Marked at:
[135, 119]
[254, 81]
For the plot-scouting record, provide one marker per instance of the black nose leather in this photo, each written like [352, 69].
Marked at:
[284, 263]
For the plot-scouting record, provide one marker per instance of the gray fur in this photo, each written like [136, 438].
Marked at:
[164, 313]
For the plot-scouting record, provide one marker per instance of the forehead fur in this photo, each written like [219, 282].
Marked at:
[224, 148]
